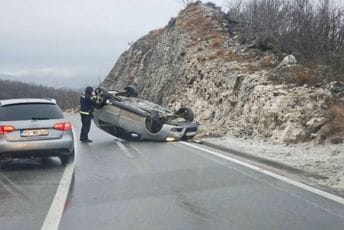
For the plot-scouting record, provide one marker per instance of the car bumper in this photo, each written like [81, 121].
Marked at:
[174, 133]
[56, 147]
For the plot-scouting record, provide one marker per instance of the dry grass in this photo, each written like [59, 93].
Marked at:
[230, 56]
[213, 35]
[155, 33]
[190, 8]
[252, 67]
[204, 27]
[267, 62]
[217, 42]
[304, 76]
[215, 39]
[338, 112]
[191, 44]
[296, 75]
[200, 28]
[195, 23]
[335, 129]
[219, 54]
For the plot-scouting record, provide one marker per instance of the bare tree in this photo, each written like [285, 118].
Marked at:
[314, 31]
[185, 2]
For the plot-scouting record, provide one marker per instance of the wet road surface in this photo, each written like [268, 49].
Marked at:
[27, 188]
[143, 185]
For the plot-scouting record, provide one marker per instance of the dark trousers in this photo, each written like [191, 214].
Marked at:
[86, 126]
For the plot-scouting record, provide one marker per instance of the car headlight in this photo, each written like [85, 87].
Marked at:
[169, 139]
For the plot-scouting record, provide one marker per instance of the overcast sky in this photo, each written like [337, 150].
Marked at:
[74, 38]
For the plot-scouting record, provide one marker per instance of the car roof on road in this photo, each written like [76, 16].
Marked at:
[26, 101]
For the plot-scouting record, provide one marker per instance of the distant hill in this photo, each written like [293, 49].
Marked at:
[65, 98]
[54, 81]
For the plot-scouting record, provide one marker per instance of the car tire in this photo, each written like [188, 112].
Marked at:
[101, 97]
[65, 159]
[186, 113]
[153, 122]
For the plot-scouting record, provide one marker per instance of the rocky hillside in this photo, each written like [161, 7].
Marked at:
[233, 88]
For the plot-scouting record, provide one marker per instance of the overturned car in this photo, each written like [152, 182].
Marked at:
[124, 115]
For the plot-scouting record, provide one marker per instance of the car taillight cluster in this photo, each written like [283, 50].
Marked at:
[4, 129]
[64, 126]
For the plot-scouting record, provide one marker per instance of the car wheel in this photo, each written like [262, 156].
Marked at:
[101, 97]
[153, 122]
[65, 159]
[186, 113]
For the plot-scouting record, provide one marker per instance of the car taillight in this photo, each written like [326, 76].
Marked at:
[4, 129]
[64, 126]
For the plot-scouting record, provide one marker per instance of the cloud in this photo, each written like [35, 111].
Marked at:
[51, 72]
[66, 39]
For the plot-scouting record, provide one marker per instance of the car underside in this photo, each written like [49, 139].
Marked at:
[123, 114]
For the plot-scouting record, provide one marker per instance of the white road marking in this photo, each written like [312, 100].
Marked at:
[53, 217]
[125, 149]
[136, 149]
[319, 192]
[13, 185]
[8, 189]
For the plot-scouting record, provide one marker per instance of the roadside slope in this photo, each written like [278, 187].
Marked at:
[233, 88]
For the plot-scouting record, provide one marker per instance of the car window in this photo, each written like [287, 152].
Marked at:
[34, 111]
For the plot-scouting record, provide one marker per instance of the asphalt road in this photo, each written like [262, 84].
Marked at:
[27, 188]
[144, 185]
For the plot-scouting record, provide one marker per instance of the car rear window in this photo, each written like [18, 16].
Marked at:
[33, 111]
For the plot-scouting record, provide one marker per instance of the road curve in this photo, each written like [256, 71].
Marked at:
[145, 185]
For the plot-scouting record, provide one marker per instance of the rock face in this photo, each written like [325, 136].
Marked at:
[233, 88]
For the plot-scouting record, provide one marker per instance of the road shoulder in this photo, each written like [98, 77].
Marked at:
[321, 166]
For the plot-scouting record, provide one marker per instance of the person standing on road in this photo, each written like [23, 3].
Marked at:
[86, 111]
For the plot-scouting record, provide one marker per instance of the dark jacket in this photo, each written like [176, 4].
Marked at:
[86, 104]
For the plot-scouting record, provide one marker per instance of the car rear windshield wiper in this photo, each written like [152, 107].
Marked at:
[40, 118]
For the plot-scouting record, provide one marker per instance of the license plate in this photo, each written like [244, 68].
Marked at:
[34, 132]
[190, 134]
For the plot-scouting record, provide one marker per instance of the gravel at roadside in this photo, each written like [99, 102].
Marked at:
[325, 160]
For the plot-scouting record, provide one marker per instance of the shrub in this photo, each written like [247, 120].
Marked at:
[312, 30]
[185, 2]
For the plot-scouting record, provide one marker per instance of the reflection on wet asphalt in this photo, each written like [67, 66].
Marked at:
[143, 185]
[27, 187]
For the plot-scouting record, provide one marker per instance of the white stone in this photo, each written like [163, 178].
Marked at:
[288, 60]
